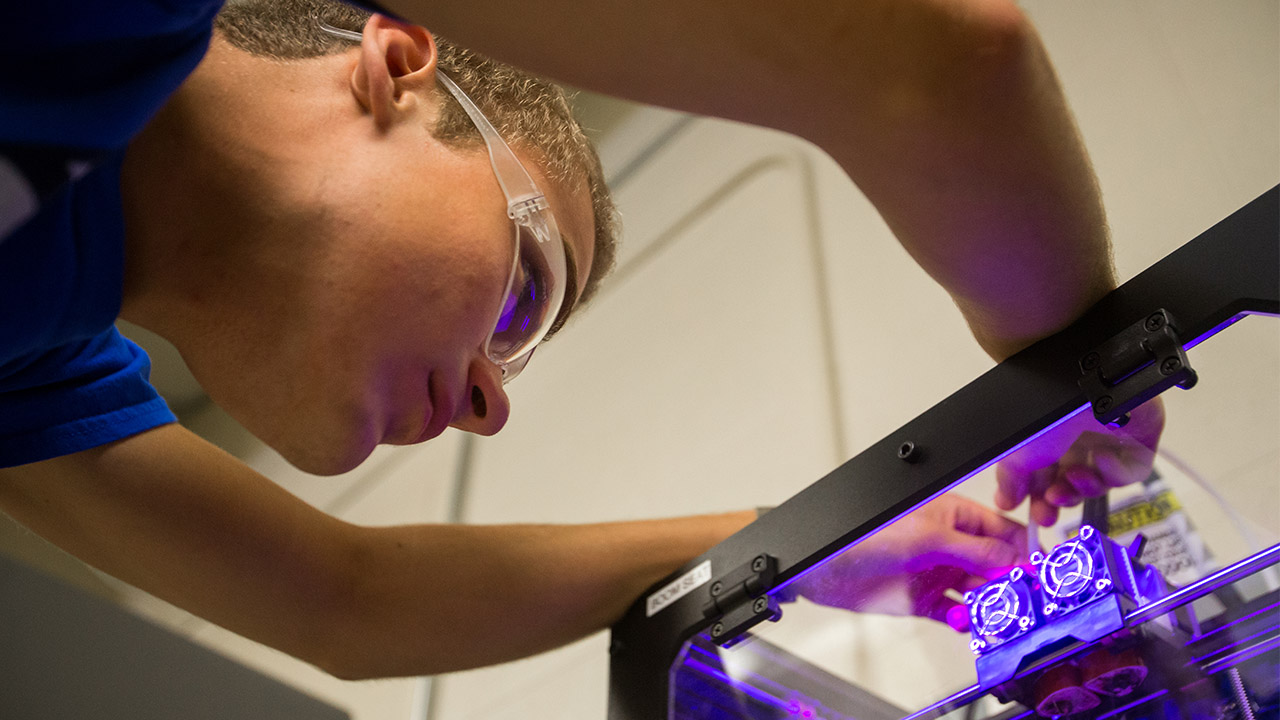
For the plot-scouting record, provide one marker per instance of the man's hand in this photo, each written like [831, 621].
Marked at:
[1078, 459]
[950, 544]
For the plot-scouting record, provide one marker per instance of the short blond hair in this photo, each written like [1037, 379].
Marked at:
[529, 112]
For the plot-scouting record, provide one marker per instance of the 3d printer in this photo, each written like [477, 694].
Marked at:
[1100, 624]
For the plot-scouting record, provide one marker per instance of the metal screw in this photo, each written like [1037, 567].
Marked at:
[760, 605]
[1103, 403]
[1090, 361]
[758, 564]
[1170, 366]
[717, 630]
[1155, 322]
[909, 452]
[716, 588]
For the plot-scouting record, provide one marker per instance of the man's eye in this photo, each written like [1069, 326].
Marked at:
[532, 271]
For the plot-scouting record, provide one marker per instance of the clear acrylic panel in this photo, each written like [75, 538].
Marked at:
[1164, 604]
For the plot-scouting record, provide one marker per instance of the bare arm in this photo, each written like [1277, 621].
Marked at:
[946, 113]
[179, 518]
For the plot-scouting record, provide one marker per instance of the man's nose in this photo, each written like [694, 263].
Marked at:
[487, 408]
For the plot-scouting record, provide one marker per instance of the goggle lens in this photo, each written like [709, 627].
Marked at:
[533, 297]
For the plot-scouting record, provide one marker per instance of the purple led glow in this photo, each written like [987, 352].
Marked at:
[1236, 641]
[1243, 656]
[799, 709]
[1236, 622]
[1206, 659]
[754, 680]
[1221, 326]
[739, 685]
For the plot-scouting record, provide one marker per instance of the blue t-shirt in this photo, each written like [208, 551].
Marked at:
[80, 81]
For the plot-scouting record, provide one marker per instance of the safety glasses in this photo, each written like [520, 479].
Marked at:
[536, 283]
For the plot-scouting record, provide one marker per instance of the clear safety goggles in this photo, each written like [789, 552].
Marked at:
[536, 285]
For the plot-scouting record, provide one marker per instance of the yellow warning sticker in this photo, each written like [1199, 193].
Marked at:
[1143, 513]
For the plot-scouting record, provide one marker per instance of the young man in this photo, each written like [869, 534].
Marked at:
[323, 240]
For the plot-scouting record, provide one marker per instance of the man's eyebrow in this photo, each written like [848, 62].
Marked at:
[570, 294]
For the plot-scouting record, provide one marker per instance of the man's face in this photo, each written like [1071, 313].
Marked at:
[387, 346]
[329, 270]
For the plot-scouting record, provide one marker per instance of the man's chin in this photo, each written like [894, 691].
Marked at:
[318, 458]
[312, 442]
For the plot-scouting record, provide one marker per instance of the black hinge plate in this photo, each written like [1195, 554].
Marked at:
[1141, 362]
[739, 601]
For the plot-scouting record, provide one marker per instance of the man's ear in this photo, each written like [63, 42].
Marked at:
[397, 63]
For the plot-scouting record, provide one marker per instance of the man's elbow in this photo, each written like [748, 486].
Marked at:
[1002, 20]
[994, 46]
[970, 65]
[332, 630]
[360, 627]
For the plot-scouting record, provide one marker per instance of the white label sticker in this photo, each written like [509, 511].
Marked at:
[678, 588]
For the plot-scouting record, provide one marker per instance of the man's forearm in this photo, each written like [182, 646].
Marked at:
[946, 113]
[990, 189]
[172, 515]
[448, 597]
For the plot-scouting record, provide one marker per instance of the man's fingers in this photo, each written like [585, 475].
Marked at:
[1043, 512]
[976, 519]
[1084, 480]
[1146, 423]
[1123, 467]
[976, 555]
[1011, 486]
[1079, 459]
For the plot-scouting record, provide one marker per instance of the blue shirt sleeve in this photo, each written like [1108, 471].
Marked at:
[80, 395]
